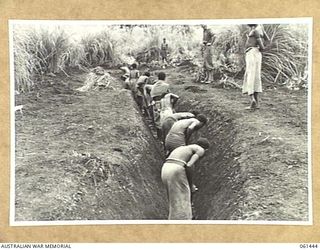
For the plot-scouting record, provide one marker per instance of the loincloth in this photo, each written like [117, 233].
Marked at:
[174, 177]
[252, 77]
[176, 161]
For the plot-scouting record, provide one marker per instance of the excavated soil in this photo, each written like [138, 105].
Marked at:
[93, 156]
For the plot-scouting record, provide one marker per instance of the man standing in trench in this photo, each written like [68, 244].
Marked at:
[158, 91]
[181, 131]
[176, 175]
[168, 121]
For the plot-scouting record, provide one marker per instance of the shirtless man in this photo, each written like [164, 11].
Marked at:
[168, 121]
[158, 91]
[181, 131]
[167, 105]
[141, 98]
[126, 76]
[160, 88]
[176, 175]
[252, 78]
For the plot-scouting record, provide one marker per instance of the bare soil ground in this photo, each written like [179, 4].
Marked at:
[85, 156]
[92, 156]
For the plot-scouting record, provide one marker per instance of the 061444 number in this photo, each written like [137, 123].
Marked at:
[309, 245]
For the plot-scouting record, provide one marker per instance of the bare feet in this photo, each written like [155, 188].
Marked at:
[194, 188]
[253, 104]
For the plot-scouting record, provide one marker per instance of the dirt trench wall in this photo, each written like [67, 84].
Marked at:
[217, 175]
[86, 156]
[133, 189]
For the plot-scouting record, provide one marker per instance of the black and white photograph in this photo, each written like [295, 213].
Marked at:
[161, 122]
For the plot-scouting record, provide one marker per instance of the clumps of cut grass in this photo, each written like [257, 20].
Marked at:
[97, 78]
[91, 167]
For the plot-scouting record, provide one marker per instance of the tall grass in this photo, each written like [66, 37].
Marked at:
[98, 49]
[41, 51]
[23, 63]
[92, 50]
[287, 56]
[37, 52]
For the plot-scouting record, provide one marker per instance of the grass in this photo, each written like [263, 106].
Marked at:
[36, 52]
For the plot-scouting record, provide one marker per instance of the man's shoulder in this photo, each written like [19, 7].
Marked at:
[255, 33]
[210, 31]
[186, 121]
[157, 82]
[161, 82]
[198, 149]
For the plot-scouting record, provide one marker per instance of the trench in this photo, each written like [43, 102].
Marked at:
[242, 176]
[218, 174]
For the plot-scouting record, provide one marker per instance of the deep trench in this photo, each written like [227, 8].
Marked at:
[217, 175]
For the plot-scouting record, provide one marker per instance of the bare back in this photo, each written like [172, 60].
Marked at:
[184, 153]
[182, 125]
[182, 115]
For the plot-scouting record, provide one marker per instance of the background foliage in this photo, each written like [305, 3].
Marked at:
[42, 50]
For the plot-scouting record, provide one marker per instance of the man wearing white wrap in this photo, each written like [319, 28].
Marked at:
[252, 78]
[176, 175]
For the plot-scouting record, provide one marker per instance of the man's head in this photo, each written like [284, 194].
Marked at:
[204, 26]
[134, 66]
[147, 74]
[202, 119]
[195, 112]
[204, 143]
[123, 78]
[252, 25]
[162, 76]
[164, 40]
[173, 99]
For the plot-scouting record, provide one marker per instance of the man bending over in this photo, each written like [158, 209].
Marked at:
[176, 175]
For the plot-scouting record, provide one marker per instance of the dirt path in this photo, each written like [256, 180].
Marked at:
[261, 156]
[91, 156]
